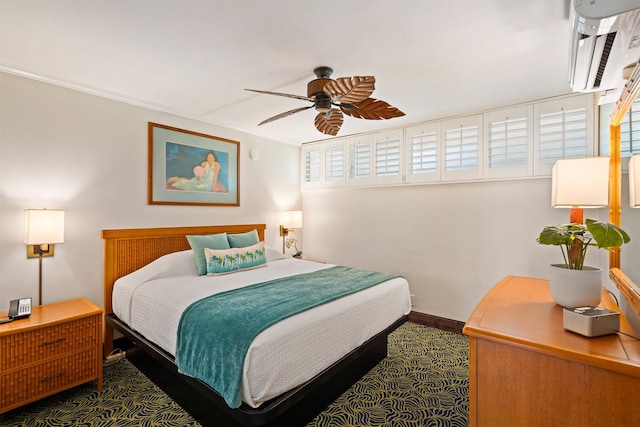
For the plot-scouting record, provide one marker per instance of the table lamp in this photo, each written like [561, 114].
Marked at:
[291, 220]
[580, 183]
[42, 229]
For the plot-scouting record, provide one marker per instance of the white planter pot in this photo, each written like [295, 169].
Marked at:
[575, 288]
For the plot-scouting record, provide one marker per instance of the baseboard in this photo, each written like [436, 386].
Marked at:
[445, 324]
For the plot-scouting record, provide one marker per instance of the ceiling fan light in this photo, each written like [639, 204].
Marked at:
[323, 105]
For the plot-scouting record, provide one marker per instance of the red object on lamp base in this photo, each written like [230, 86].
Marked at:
[576, 216]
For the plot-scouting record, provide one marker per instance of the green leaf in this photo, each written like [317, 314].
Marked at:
[554, 235]
[607, 235]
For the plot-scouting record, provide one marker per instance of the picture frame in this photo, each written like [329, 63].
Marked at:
[192, 168]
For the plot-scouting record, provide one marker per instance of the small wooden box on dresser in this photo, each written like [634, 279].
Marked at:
[58, 347]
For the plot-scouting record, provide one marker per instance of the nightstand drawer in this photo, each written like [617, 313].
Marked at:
[35, 382]
[36, 345]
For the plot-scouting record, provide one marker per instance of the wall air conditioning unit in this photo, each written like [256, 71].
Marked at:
[606, 39]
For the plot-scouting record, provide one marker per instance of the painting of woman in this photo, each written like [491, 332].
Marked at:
[205, 177]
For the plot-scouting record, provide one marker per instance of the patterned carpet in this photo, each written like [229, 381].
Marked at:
[128, 398]
[424, 381]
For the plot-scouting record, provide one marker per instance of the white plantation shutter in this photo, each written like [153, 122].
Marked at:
[630, 131]
[462, 148]
[422, 144]
[334, 164]
[311, 166]
[360, 165]
[509, 143]
[564, 130]
[562, 135]
[388, 155]
[461, 151]
[520, 141]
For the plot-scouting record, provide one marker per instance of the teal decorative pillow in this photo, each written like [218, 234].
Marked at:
[221, 261]
[212, 241]
[242, 240]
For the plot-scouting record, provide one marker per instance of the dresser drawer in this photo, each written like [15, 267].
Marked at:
[35, 382]
[36, 345]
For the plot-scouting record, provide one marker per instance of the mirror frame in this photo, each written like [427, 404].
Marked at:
[630, 92]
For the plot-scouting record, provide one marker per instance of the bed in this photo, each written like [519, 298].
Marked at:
[293, 367]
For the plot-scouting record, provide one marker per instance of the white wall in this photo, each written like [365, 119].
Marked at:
[85, 154]
[452, 242]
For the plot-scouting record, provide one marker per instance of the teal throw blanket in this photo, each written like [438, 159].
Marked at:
[215, 332]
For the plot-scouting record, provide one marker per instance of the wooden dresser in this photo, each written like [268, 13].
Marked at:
[58, 347]
[527, 370]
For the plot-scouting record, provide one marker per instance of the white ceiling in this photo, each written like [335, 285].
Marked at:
[431, 58]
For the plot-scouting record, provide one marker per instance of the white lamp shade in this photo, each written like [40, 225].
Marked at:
[634, 181]
[43, 226]
[582, 183]
[292, 219]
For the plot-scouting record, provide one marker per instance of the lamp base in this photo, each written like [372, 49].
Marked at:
[34, 251]
[576, 215]
[285, 231]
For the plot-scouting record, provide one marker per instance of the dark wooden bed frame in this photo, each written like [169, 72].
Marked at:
[126, 250]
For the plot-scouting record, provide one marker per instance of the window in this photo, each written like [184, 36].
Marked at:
[388, 154]
[334, 164]
[562, 135]
[629, 130]
[360, 155]
[509, 142]
[462, 148]
[312, 166]
[564, 130]
[422, 153]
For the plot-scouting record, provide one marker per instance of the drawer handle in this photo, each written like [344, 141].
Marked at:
[53, 377]
[59, 340]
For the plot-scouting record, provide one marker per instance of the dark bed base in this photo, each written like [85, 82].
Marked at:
[295, 407]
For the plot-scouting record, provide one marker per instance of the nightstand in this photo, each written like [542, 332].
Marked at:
[58, 347]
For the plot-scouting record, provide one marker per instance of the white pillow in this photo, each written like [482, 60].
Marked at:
[174, 264]
[274, 254]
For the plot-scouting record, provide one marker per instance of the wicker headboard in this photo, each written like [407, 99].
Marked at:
[127, 250]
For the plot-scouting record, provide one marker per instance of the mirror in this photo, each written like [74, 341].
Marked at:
[625, 270]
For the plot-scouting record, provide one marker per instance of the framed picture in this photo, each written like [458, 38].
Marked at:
[191, 168]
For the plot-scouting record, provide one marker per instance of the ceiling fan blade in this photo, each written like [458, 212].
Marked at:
[350, 90]
[373, 109]
[285, 114]
[329, 123]
[304, 98]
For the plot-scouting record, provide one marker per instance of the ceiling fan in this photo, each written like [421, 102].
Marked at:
[349, 94]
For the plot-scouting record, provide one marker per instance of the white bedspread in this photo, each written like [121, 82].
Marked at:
[152, 299]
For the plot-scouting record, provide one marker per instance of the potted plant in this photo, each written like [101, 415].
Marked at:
[292, 241]
[573, 284]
